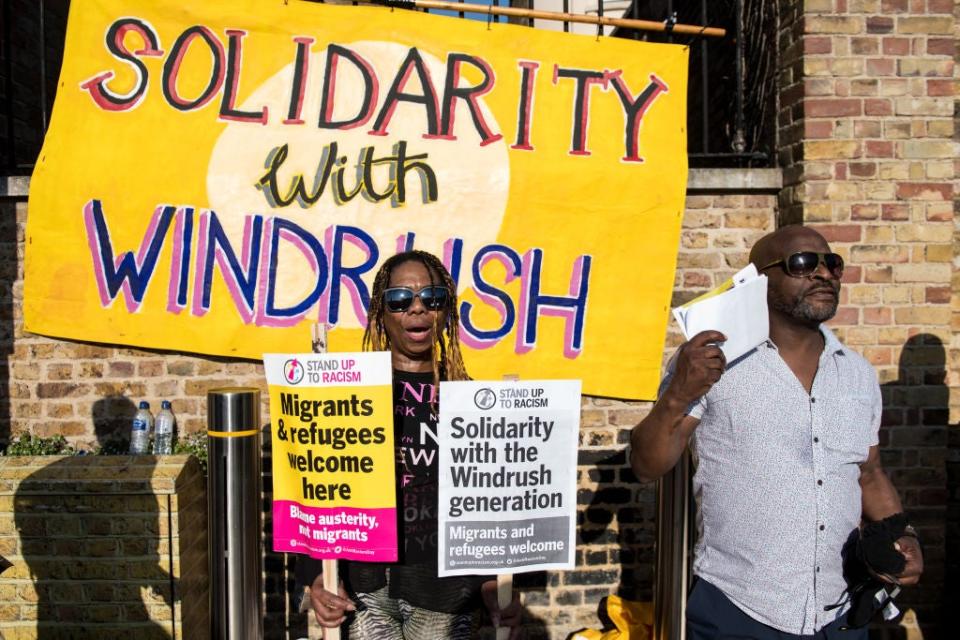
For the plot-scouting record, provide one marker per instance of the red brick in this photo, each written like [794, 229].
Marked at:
[813, 45]
[938, 295]
[893, 6]
[877, 315]
[893, 46]
[878, 355]
[895, 212]
[697, 280]
[852, 274]
[817, 129]
[840, 232]
[150, 368]
[924, 190]
[879, 149]
[840, 171]
[877, 107]
[832, 107]
[940, 6]
[846, 316]
[939, 87]
[61, 390]
[880, 66]
[121, 369]
[941, 46]
[863, 169]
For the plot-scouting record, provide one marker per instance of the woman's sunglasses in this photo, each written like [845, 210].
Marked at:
[805, 263]
[399, 299]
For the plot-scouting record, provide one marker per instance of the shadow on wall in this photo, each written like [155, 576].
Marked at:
[951, 592]
[281, 620]
[112, 418]
[629, 543]
[82, 589]
[914, 448]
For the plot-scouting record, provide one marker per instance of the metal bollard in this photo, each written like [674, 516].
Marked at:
[233, 513]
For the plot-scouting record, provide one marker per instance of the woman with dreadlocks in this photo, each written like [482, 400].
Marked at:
[413, 314]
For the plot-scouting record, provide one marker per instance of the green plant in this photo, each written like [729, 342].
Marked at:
[194, 443]
[24, 444]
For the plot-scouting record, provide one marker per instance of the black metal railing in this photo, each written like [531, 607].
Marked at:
[732, 87]
[31, 50]
[731, 108]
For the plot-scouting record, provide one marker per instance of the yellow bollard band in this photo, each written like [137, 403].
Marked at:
[232, 434]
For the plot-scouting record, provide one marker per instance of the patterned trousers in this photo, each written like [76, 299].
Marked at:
[386, 618]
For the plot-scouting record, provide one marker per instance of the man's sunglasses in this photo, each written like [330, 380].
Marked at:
[805, 263]
[399, 299]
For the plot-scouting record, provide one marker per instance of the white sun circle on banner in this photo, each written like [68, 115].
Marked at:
[472, 180]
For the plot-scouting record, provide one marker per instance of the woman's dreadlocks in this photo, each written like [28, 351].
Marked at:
[447, 360]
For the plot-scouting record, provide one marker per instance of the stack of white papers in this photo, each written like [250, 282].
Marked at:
[737, 309]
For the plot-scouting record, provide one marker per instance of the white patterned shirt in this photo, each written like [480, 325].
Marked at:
[777, 481]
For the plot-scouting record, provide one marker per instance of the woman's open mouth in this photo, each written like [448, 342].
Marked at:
[418, 333]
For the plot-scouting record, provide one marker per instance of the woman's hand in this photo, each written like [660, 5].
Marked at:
[507, 617]
[331, 609]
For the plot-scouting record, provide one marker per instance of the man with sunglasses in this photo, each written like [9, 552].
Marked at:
[784, 440]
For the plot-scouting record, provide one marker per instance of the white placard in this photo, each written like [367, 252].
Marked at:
[508, 475]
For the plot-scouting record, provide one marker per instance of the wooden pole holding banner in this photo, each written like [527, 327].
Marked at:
[331, 574]
[626, 23]
[505, 580]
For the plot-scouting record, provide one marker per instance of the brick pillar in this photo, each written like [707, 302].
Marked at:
[952, 577]
[867, 145]
[790, 122]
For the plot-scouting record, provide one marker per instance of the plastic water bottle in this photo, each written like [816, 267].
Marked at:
[140, 434]
[163, 435]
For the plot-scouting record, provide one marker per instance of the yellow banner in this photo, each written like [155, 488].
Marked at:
[220, 175]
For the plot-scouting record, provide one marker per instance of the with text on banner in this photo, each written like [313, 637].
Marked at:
[333, 459]
[220, 175]
[508, 467]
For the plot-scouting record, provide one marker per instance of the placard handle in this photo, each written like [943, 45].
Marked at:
[331, 581]
[504, 598]
[331, 575]
[505, 580]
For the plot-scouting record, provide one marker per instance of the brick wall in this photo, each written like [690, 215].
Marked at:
[869, 154]
[105, 546]
[86, 391]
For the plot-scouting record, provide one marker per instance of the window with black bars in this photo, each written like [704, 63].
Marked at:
[732, 91]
